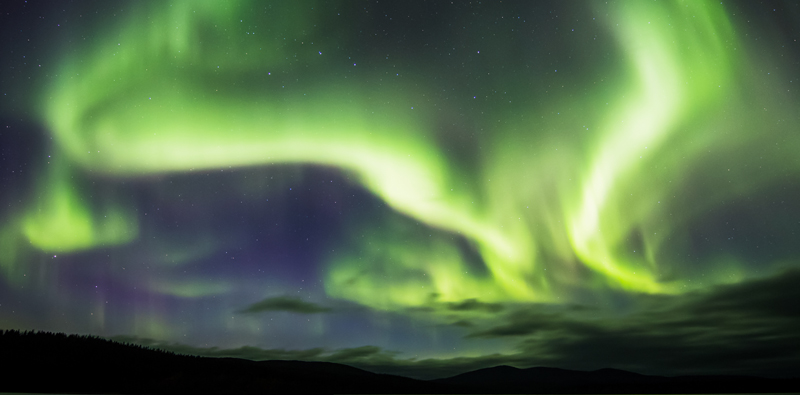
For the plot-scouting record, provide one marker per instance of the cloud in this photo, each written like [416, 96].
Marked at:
[358, 353]
[475, 305]
[285, 303]
[523, 323]
[370, 358]
[770, 297]
[747, 328]
[245, 352]
[462, 323]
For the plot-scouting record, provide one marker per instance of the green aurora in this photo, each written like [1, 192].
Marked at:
[562, 181]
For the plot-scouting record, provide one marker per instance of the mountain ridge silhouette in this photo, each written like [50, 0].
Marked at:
[91, 364]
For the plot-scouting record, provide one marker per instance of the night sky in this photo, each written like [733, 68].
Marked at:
[410, 187]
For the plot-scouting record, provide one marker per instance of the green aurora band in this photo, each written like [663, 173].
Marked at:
[174, 91]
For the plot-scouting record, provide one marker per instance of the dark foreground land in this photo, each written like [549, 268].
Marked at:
[80, 364]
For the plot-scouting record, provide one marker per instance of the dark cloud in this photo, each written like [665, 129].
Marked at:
[475, 305]
[285, 303]
[355, 353]
[771, 297]
[463, 323]
[371, 358]
[246, 352]
[746, 328]
[467, 306]
[420, 309]
[521, 323]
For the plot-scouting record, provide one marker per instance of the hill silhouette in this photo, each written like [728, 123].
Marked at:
[63, 363]
[544, 380]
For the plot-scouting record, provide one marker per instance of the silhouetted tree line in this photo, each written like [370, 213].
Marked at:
[90, 364]
[43, 339]
[81, 362]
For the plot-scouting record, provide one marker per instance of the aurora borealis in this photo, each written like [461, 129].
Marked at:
[418, 188]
